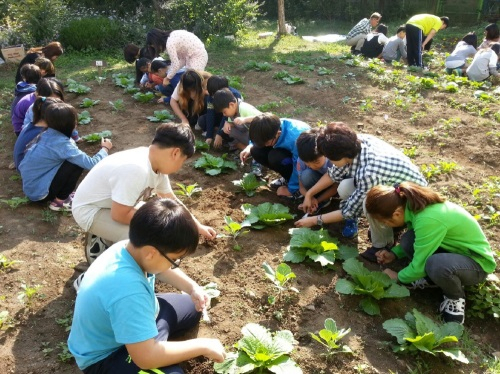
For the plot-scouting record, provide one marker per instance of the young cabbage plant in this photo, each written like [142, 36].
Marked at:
[123, 80]
[260, 350]
[187, 191]
[265, 214]
[117, 105]
[374, 285]
[75, 87]
[97, 136]
[233, 229]
[161, 116]
[14, 202]
[249, 183]
[201, 145]
[214, 165]
[143, 97]
[84, 118]
[318, 246]
[420, 333]
[330, 336]
[280, 278]
[88, 103]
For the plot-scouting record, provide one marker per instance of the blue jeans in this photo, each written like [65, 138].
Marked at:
[449, 271]
[309, 178]
[177, 315]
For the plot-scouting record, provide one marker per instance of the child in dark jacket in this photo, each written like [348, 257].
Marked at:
[375, 42]
[31, 75]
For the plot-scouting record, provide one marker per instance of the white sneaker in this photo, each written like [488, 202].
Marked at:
[78, 281]
[453, 310]
[94, 247]
[197, 127]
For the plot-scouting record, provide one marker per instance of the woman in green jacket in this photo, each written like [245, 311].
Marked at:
[445, 244]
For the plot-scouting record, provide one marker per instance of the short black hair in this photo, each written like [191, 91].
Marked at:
[216, 83]
[496, 48]
[31, 73]
[337, 141]
[61, 117]
[222, 98]
[383, 29]
[130, 52]
[401, 28]
[50, 86]
[471, 39]
[263, 128]
[142, 62]
[166, 225]
[158, 64]
[174, 135]
[307, 147]
[492, 31]
[445, 20]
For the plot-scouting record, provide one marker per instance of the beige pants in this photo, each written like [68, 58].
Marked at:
[356, 42]
[105, 227]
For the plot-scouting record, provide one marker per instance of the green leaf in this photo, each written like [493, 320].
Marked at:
[370, 306]
[327, 258]
[345, 287]
[424, 324]
[330, 324]
[399, 329]
[354, 267]
[396, 290]
[425, 342]
[295, 255]
[346, 252]
[284, 365]
[267, 214]
[228, 366]
[455, 354]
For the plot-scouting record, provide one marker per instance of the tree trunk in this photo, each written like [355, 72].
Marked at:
[281, 17]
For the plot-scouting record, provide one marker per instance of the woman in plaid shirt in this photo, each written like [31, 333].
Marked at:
[360, 162]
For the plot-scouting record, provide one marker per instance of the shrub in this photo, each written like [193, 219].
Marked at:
[92, 33]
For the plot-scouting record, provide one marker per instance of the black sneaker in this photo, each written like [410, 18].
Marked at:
[94, 247]
[277, 183]
[453, 310]
[296, 196]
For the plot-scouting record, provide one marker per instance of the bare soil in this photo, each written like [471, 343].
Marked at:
[50, 245]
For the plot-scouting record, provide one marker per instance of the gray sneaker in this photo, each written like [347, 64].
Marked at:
[94, 247]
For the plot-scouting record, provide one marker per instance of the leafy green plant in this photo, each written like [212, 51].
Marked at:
[144, 97]
[200, 145]
[265, 214]
[233, 229]
[97, 136]
[188, 190]
[117, 105]
[28, 294]
[84, 118]
[280, 278]
[66, 321]
[99, 79]
[324, 71]
[450, 87]
[366, 105]
[123, 80]
[6, 264]
[410, 152]
[288, 78]
[161, 116]
[420, 333]
[65, 355]
[484, 96]
[431, 171]
[131, 90]
[214, 165]
[330, 336]
[75, 87]
[318, 246]
[258, 66]
[427, 83]
[483, 299]
[374, 285]
[88, 103]
[49, 216]
[14, 202]
[249, 183]
[258, 350]
[6, 321]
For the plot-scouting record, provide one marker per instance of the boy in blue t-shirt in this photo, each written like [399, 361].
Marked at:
[311, 166]
[120, 325]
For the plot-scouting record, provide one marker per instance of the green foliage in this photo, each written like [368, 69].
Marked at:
[200, 145]
[124, 80]
[258, 66]
[14, 202]
[208, 18]
[212, 290]
[280, 278]
[88, 103]
[161, 116]
[419, 333]
[249, 183]
[214, 165]
[431, 171]
[84, 118]
[117, 105]
[235, 81]
[98, 33]
[288, 78]
[330, 336]
[66, 321]
[233, 229]
[144, 97]
[188, 191]
[484, 299]
[375, 285]
[324, 71]
[259, 349]
[65, 355]
[131, 90]
[49, 216]
[6, 264]
[410, 152]
[484, 96]
[28, 294]
[318, 246]
[75, 87]
[6, 321]
[450, 87]
[265, 214]
[97, 136]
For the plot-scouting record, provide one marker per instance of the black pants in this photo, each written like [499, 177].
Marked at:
[278, 159]
[64, 181]
[414, 40]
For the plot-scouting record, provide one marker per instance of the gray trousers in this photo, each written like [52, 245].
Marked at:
[449, 271]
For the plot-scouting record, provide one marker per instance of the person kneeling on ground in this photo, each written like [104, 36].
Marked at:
[375, 42]
[122, 330]
[356, 37]
[106, 199]
[273, 145]
[360, 162]
[444, 243]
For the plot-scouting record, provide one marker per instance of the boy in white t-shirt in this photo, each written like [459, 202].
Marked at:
[108, 197]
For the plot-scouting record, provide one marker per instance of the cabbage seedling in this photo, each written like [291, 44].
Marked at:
[330, 336]
[144, 97]
[161, 116]
[84, 118]
[97, 136]
[188, 191]
[280, 278]
[233, 230]
[88, 103]
[249, 183]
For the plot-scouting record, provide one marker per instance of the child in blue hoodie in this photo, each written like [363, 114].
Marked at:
[273, 144]
[31, 75]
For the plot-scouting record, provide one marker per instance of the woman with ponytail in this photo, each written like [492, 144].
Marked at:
[444, 243]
